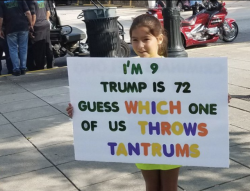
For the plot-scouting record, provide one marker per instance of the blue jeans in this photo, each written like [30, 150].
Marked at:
[18, 45]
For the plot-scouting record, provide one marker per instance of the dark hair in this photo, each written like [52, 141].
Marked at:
[155, 28]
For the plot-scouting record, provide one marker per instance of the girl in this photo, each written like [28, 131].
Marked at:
[149, 41]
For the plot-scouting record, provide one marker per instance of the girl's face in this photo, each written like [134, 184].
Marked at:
[144, 43]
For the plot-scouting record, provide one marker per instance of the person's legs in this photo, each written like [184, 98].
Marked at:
[49, 56]
[169, 179]
[39, 54]
[7, 57]
[49, 51]
[13, 50]
[152, 179]
[23, 48]
[30, 57]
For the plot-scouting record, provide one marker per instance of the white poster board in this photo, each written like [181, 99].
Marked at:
[150, 110]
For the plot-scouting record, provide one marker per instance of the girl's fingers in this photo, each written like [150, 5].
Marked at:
[70, 115]
[69, 110]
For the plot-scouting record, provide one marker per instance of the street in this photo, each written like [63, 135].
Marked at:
[36, 137]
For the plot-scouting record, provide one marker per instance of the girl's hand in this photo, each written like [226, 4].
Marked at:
[229, 98]
[70, 110]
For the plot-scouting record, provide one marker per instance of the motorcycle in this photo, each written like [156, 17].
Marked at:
[65, 40]
[204, 27]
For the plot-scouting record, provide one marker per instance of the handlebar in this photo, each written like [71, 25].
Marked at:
[81, 15]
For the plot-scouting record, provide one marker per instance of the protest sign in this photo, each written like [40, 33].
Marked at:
[150, 110]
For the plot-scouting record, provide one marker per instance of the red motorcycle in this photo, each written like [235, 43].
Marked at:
[204, 27]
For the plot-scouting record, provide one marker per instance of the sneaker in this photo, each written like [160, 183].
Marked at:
[23, 72]
[16, 73]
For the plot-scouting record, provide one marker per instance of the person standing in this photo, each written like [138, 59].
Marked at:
[40, 41]
[17, 18]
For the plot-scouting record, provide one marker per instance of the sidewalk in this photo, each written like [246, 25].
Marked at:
[36, 141]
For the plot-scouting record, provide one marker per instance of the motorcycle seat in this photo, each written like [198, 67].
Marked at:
[62, 35]
[189, 21]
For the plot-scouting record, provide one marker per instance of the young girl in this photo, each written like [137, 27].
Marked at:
[149, 41]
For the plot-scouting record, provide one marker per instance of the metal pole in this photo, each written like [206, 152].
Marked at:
[171, 16]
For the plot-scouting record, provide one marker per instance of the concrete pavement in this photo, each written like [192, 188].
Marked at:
[36, 141]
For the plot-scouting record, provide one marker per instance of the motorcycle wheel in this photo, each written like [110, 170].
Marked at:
[232, 35]
[125, 49]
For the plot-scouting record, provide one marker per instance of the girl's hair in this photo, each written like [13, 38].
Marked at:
[155, 28]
